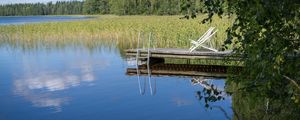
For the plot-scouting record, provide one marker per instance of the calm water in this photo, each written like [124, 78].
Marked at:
[12, 20]
[77, 83]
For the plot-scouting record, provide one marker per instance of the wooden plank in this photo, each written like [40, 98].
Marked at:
[133, 72]
[182, 56]
[182, 70]
[178, 51]
[181, 53]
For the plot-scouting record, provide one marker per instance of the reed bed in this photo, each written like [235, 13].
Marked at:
[167, 31]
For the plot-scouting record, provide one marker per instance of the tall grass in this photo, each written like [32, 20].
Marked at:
[167, 31]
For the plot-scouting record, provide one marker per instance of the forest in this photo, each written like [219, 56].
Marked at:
[140, 7]
[118, 7]
[50, 8]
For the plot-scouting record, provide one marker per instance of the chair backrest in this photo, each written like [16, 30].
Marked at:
[204, 38]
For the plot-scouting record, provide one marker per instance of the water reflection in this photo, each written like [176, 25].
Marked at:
[163, 69]
[39, 90]
[42, 89]
[211, 92]
[249, 99]
[260, 103]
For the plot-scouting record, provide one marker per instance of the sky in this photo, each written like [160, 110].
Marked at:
[29, 1]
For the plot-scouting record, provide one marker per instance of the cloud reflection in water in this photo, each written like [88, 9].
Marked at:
[42, 89]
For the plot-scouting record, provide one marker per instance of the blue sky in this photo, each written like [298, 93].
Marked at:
[29, 1]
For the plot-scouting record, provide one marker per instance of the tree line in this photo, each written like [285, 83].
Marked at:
[50, 8]
[118, 7]
[137, 7]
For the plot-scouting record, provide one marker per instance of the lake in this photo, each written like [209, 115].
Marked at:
[13, 20]
[77, 82]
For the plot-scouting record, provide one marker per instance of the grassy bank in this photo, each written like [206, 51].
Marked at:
[168, 31]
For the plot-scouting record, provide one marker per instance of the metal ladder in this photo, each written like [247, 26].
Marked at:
[138, 57]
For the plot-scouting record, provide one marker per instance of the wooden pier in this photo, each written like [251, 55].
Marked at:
[182, 70]
[204, 42]
[179, 53]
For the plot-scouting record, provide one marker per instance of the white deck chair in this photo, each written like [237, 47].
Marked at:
[204, 38]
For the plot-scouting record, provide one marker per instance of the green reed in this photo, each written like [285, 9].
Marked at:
[167, 31]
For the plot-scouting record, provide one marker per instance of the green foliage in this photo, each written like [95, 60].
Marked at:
[96, 7]
[118, 7]
[266, 34]
[156, 7]
[58, 8]
[135, 7]
[167, 31]
[254, 105]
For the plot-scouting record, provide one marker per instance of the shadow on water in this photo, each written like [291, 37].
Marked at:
[246, 104]
[204, 76]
